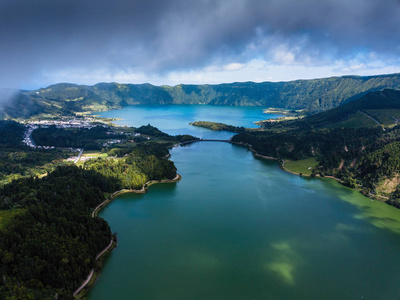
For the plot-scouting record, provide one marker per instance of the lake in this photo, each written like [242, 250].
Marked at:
[175, 119]
[238, 227]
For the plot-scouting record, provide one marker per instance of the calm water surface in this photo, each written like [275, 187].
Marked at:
[175, 119]
[237, 227]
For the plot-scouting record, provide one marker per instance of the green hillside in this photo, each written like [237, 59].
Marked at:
[358, 143]
[372, 110]
[312, 95]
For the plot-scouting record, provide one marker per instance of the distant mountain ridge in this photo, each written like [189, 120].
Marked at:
[312, 95]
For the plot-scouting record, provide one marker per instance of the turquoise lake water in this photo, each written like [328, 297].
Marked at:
[175, 119]
[238, 227]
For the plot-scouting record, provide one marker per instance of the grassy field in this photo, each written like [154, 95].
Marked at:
[90, 155]
[6, 215]
[94, 154]
[303, 166]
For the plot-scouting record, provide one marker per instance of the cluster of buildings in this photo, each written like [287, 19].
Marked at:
[71, 123]
[111, 142]
[28, 136]
[122, 133]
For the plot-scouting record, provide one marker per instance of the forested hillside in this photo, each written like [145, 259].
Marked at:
[50, 247]
[371, 110]
[311, 95]
[48, 239]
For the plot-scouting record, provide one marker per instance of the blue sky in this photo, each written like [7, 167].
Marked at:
[204, 41]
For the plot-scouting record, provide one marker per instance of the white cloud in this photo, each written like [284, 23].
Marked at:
[233, 67]
[284, 57]
[354, 68]
[257, 70]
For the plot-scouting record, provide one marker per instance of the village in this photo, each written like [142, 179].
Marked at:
[87, 123]
[69, 123]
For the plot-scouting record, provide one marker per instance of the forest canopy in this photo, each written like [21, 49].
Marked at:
[48, 239]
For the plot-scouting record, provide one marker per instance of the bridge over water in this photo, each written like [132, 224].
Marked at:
[203, 140]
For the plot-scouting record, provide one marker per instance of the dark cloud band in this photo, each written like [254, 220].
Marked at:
[159, 36]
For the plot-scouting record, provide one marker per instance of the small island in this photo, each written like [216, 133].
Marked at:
[218, 126]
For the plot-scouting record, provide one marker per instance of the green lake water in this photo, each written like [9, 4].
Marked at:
[238, 227]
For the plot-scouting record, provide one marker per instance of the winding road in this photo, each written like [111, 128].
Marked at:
[85, 283]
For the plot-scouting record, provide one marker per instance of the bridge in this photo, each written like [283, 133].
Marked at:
[202, 140]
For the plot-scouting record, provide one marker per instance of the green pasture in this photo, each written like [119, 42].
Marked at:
[304, 166]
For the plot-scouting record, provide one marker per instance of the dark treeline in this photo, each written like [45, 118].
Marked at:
[10, 134]
[47, 250]
[330, 144]
[218, 126]
[93, 138]
[155, 132]
[73, 137]
[152, 131]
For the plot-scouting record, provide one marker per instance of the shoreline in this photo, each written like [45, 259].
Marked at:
[96, 271]
[281, 162]
[283, 168]
[143, 190]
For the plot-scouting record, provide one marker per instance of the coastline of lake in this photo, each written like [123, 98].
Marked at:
[250, 227]
[238, 227]
[95, 272]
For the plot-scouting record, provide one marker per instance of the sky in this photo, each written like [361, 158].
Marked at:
[168, 42]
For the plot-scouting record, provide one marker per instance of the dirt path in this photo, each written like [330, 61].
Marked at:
[84, 284]
[104, 250]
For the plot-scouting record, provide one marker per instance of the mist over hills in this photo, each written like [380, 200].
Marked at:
[311, 95]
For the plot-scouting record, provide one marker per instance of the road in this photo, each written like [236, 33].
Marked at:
[79, 156]
[85, 283]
